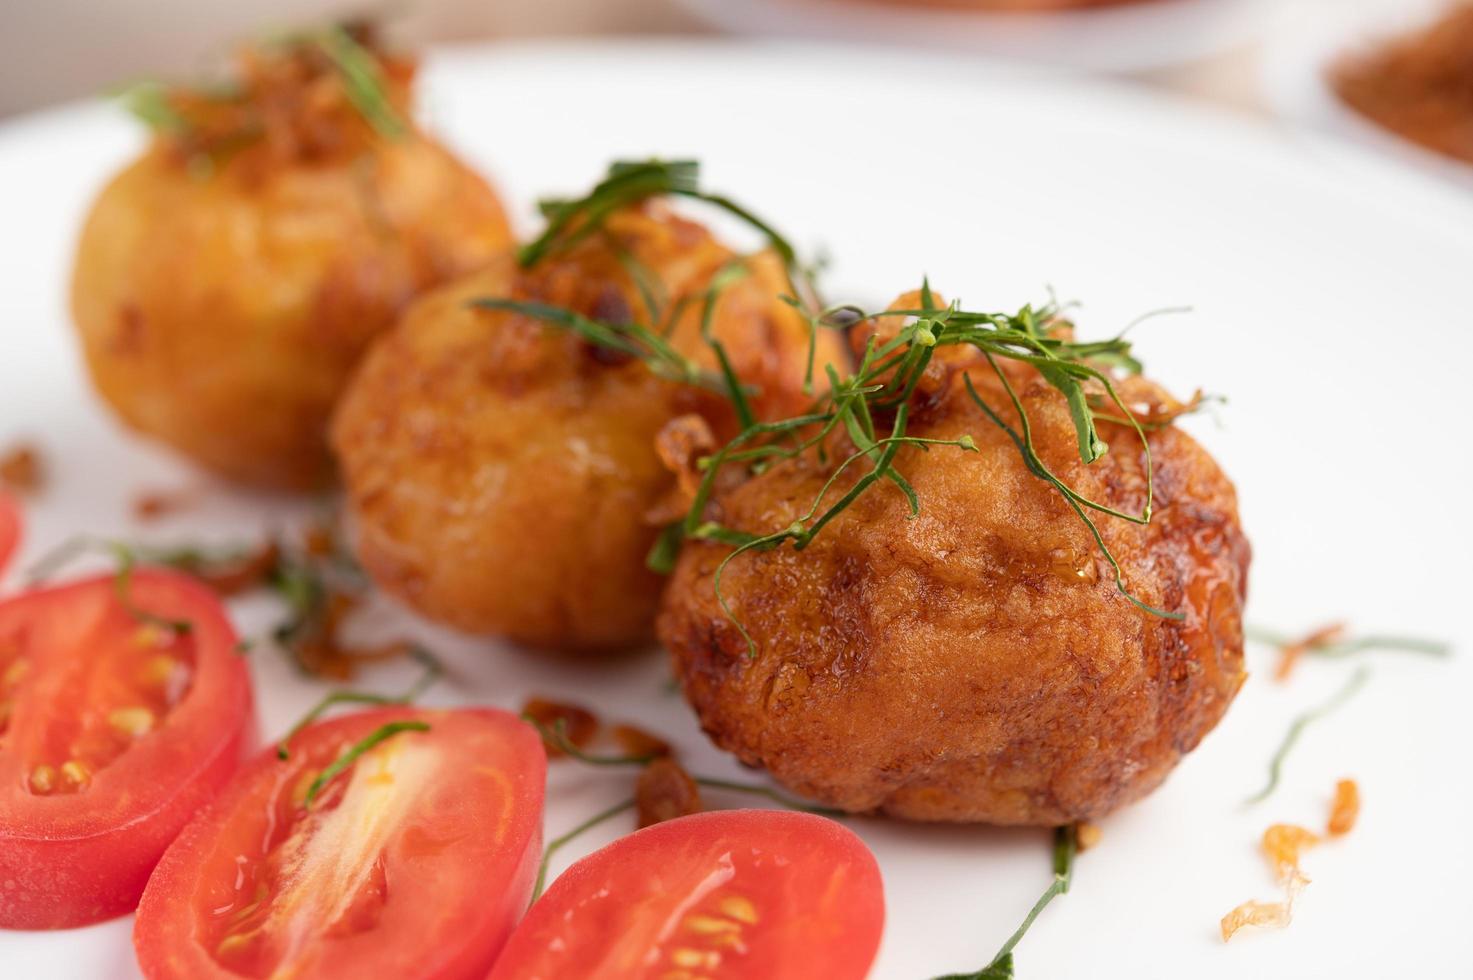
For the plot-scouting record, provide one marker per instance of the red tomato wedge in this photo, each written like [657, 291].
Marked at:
[9, 529]
[113, 732]
[416, 861]
[749, 894]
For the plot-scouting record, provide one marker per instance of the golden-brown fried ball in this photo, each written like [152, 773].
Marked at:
[228, 280]
[506, 477]
[975, 663]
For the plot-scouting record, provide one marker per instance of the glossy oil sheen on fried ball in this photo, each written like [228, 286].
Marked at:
[502, 473]
[975, 663]
[221, 312]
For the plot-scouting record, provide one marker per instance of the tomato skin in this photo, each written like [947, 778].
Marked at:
[452, 918]
[794, 897]
[9, 529]
[82, 858]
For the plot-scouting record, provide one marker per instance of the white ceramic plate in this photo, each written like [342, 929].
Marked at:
[1308, 38]
[1111, 39]
[1333, 314]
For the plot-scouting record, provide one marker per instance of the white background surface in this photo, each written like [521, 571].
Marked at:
[1333, 313]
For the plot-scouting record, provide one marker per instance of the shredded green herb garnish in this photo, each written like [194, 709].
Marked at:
[148, 101]
[1276, 764]
[1351, 646]
[629, 182]
[558, 843]
[301, 586]
[735, 390]
[311, 588]
[666, 549]
[856, 405]
[363, 81]
[756, 789]
[356, 66]
[1001, 967]
[557, 735]
[123, 587]
[633, 340]
[126, 559]
[884, 382]
[53, 561]
[202, 562]
[304, 583]
[433, 670]
[569, 221]
[652, 291]
[342, 762]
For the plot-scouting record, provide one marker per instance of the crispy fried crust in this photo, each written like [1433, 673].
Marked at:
[222, 314]
[975, 663]
[503, 473]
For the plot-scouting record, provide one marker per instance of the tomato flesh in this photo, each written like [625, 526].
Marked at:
[113, 731]
[9, 529]
[415, 862]
[728, 895]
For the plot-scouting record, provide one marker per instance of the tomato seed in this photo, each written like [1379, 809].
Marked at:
[15, 673]
[134, 721]
[43, 780]
[76, 774]
[707, 925]
[739, 908]
[700, 958]
[158, 671]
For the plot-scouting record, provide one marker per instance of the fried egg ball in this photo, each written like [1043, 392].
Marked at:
[975, 663]
[507, 477]
[227, 281]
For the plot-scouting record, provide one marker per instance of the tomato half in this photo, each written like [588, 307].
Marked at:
[9, 529]
[749, 894]
[113, 732]
[415, 862]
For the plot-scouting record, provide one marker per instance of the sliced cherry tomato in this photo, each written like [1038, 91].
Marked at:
[115, 727]
[749, 894]
[9, 529]
[416, 861]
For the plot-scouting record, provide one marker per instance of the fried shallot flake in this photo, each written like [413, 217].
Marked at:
[1345, 808]
[1290, 653]
[21, 469]
[681, 444]
[319, 540]
[235, 577]
[1149, 404]
[319, 649]
[665, 791]
[638, 743]
[1283, 844]
[1265, 915]
[151, 505]
[576, 724]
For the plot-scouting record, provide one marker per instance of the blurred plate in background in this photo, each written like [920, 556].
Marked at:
[1130, 37]
[1306, 40]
